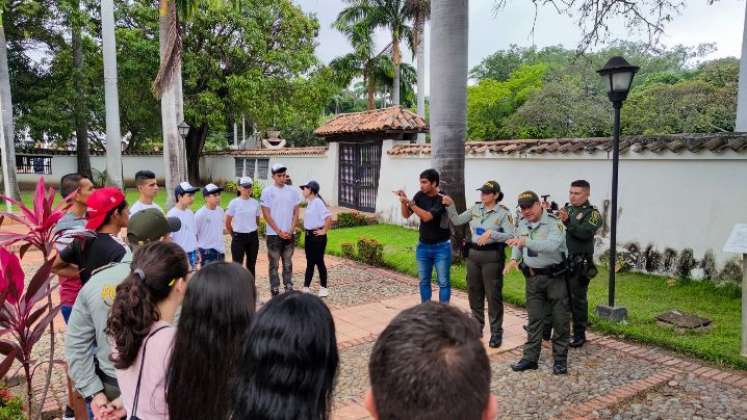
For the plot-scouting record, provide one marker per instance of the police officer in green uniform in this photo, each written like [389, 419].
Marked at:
[539, 251]
[581, 220]
[490, 226]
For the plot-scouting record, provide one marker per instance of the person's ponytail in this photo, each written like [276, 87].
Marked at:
[155, 268]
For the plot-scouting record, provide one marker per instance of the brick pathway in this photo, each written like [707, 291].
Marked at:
[608, 378]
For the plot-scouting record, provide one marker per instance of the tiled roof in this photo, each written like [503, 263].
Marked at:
[675, 143]
[286, 151]
[385, 120]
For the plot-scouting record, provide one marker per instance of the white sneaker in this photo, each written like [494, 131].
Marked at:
[306, 290]
[323, 292]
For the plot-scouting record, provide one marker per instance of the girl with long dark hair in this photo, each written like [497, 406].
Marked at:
[289, 363]
[140, 326]
[214, 322]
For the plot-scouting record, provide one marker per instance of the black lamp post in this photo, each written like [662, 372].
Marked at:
[183, 128]
[618, 76]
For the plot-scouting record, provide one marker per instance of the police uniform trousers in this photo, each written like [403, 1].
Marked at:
[579, 305]
[544, 292]
[485, 281]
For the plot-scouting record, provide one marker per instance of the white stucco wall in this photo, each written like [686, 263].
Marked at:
[63, 164]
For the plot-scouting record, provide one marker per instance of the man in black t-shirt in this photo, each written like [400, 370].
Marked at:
[107, 214]
[434, 247]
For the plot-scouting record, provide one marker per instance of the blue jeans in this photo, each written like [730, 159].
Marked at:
[66, 310]
[428, 256]
[210, 255]
[193, 257]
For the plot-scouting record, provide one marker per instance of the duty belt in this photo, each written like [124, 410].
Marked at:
[496, 246]
[553, 270]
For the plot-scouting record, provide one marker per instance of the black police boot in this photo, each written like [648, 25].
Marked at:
[274, 291]
[495, 341]
[560, 367]
[523, 365]
[577, 341]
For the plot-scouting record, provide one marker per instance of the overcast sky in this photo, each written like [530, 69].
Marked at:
[490, 31]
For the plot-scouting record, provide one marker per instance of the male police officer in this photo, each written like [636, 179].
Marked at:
[581, 221]
[540, 245]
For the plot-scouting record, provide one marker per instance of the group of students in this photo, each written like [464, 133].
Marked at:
[122, 296]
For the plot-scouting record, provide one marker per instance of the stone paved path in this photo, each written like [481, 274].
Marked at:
[608, 378]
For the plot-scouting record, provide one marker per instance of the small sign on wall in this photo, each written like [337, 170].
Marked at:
[737, 242]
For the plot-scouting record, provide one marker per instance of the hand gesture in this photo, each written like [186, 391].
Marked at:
[563, 213]
[284, 235]
[511, 266]
[320, 232]
[447, 201]
[484, 238]
[520, 241]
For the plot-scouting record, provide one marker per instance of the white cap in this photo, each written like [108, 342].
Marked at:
[277, 168]
[245, 181]
[210, 189]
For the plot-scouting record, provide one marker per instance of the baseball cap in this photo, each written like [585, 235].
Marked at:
[101, 202]
[186, 188]
[490, 187]
[527, 198]
[150, 225]
[211, 189]
[312, 185]
[278, 167]
[245, 181]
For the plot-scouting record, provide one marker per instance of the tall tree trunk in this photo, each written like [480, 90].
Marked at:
[111, 95]
[182, 152]
[742, 91]
[397, 60]
[371, 91]
[7, 143]
[195, 143]
[169, 123]
[449, 33]
[420, 57]
[79, 116]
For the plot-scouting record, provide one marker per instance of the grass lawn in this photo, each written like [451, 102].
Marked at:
[131, 193]
[644, 296]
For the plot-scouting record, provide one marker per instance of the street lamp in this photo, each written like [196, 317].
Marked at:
[618, 76]
[183, 129]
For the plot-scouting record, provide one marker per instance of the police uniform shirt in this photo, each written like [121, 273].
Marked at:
[545, 245]
[497, 220]
[583, 222]
[315, 214]
[244, 213]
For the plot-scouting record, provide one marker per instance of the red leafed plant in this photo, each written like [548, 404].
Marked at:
[26, 315]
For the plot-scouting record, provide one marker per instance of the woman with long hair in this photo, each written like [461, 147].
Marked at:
[214, 322]
[317, 220]
[141, 326]
[289, 362]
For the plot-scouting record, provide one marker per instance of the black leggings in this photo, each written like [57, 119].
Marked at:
[245, 244]
[314, 247]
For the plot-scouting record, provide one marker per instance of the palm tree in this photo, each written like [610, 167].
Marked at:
[7, 127]
[75, 20]
[111, 97]
[360, 61]
[388, 14]
[742, 91]
[449, 33]
[420, 12]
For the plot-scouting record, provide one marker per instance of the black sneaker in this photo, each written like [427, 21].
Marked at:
[523, 365]
[495, 341]
[275, 292]
[577, 341]
[288, 288]
[69, 413]
[560, 367]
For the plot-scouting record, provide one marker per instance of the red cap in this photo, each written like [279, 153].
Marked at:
[101, 202]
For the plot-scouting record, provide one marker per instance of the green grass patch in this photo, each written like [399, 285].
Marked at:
[644, 296]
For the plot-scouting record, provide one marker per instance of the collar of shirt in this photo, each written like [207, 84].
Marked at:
[484, 210]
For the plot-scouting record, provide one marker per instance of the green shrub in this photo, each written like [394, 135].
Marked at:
[11, 408]
[351, 219]
[262, 228]
[257, 190]
[348, 250]
[370, 251]
[231, 187]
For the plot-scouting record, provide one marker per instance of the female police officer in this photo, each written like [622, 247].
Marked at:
[490, 226]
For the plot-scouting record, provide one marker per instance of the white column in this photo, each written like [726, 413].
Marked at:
[742, 91]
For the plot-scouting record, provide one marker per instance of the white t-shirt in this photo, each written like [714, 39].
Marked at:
[315, 214]
[186, 237]
[244, 213]
[209, 224]
[138, 206]
[281, 202]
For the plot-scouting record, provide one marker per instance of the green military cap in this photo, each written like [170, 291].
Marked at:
[150, 225]
[528, 198]
[490, 187]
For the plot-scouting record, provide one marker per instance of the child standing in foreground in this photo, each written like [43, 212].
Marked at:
[209, 222]
[317, 220]
[186, 237]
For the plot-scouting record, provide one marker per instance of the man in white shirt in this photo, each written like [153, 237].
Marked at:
[211, 242]
[280, 210]
[186, 237]
[147, 188]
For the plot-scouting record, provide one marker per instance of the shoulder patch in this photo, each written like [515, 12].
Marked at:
[595, 217]
[503, 207]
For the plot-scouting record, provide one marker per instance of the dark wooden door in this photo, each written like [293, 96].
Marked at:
[359, 175]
